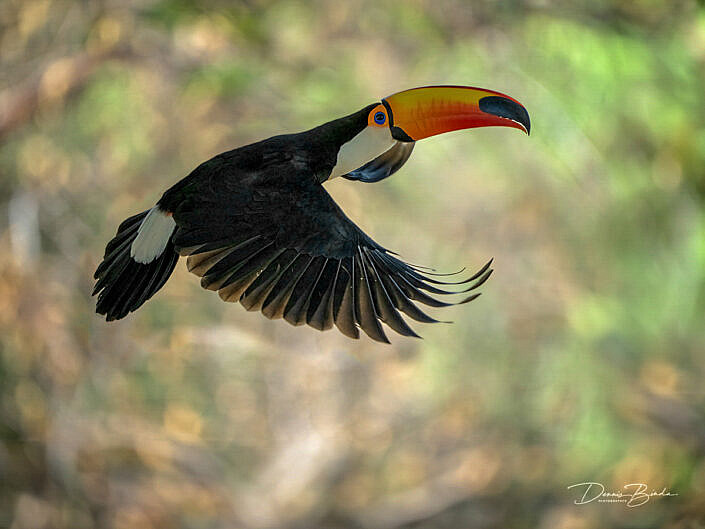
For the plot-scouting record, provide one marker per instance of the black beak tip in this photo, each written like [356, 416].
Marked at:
[506, 108]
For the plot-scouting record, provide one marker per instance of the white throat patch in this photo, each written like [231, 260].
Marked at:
[364, 147]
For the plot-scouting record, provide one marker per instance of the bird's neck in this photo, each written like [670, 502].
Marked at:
[348, 143]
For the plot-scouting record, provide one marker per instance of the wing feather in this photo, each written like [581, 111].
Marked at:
[384, 306]
[256, 294]
[320, 314]
[282, 246]
[234, 290]
[368, 318]
[275, 304]
[297, 306]
[344, 310]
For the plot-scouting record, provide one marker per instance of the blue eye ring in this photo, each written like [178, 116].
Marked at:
[380, 118]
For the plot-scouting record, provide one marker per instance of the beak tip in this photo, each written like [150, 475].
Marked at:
[504, 107]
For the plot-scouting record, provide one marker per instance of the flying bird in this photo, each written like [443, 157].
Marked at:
[258, 226]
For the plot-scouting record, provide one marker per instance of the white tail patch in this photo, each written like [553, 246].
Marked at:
[152, 236]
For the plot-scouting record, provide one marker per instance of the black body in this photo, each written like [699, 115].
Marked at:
[259, 227]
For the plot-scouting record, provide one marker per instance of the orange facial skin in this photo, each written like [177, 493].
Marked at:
[378, 117]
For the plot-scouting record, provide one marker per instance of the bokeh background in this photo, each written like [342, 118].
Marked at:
[584, 360]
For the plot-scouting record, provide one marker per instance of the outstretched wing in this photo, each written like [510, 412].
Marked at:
[292, 253]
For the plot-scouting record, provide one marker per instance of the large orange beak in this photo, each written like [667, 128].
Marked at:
[422, 112]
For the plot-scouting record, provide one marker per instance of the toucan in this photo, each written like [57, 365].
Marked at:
[258, 226]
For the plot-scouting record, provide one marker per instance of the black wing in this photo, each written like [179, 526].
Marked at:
[291, 252]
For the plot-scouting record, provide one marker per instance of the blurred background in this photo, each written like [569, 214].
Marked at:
[583, 361]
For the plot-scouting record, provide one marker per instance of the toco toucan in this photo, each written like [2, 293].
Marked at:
[258, 226]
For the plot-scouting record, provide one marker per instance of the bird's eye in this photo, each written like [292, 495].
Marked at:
[380, 118]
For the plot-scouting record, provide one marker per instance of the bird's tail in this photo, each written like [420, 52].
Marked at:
[137, 263]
